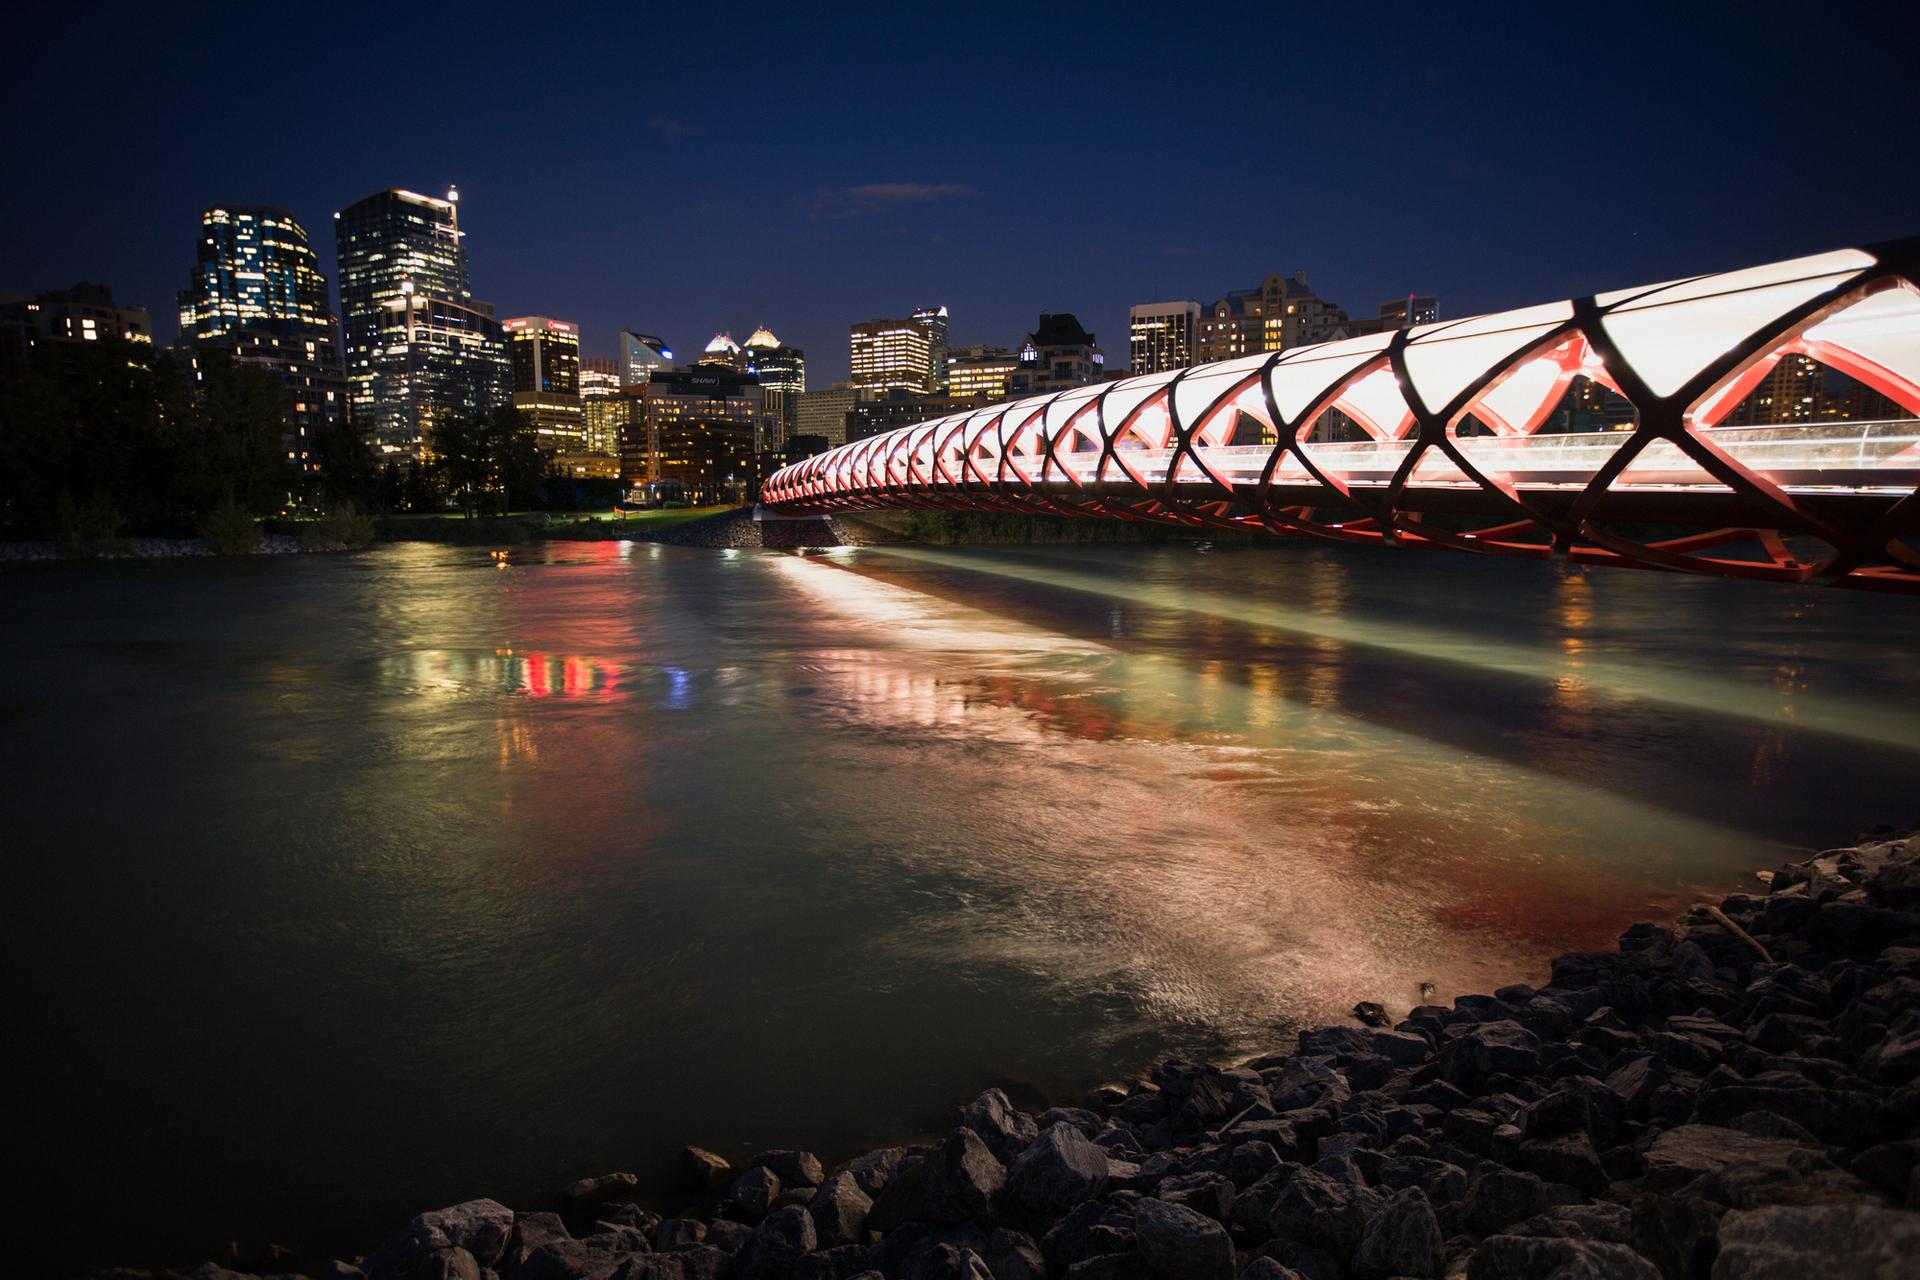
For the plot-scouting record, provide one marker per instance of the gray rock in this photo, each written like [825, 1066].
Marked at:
[421, 1253]
[679, 1233]
[946, 1261]
[1792, 1242]
[1403, 1239]
[728, 1237]
[962, 1178]
[1744, 1172]
[707, 1171]
[1267, 1269]
[588, 1194]
[755, 1191]
[1569, 1158]
[1004, 1129]
[1180, 1244]
[1330, 1213]
[777, 1244]
[793, 1168]
[1538, 1258]
[873, 1169]
[840, 1210]
[696, 1262]
[1059, 1170]
[1498, 1198]
[1015, 1255]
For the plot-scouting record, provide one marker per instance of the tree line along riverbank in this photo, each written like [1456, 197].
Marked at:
[1733, 1096]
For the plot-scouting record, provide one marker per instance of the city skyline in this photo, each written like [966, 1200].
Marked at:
[1520, 186]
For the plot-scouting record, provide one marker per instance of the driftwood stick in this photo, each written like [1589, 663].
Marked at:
[1738, 932]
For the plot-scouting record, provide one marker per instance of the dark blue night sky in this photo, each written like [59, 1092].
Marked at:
[686, 169]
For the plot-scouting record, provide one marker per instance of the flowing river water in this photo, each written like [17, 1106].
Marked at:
[342, 887]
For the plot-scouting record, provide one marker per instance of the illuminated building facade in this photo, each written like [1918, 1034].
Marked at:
[84, 313]
[691, 434]
[782, 371]
[603, 408]
[544, 355]
[723, 351]
[256, 292]
[641, 356]
[824, 413]
[981, 371]
[908, 354]
[1058, 354]
[899, 409]
[1162, 335]
[254, 268]
[1282, 312]
[418, 347]
[934, 321]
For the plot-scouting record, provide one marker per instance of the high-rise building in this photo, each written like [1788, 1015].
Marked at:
[1162, 335]
[253, 268]
[603, 409]
[782, 371]
[724, 352]
[981, 372]
[1058, 354]
[899, 408]
[824, 413]
[692, 434]
[1282, 312]
[641, 356]
[418, 346]
[934, 321]
[910, 354]
[544, 356]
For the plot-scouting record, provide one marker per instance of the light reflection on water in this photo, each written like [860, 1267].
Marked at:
[458, 880]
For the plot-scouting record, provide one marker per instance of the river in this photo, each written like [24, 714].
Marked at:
[347, 886]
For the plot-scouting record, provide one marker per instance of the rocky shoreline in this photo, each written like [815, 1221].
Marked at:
[1734, 1097]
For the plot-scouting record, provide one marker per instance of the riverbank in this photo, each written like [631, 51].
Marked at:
[1734, 1096]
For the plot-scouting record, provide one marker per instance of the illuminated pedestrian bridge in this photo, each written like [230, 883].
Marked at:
[1760, 423]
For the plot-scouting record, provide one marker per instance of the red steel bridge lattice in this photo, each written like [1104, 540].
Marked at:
[1596, 430]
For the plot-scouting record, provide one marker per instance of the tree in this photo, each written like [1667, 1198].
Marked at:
[345, 469]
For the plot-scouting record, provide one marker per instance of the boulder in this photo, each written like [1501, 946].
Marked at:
[679, 1233]
[1403, 1239]
[1548, 1258]
[705, 1170]
[1059, 1170]
[755, 1191]
[873, 1169]
[1740, 1171]
[586, 1195]
[1497, 1198]
[839, 1209]
[1000, 1125]
[1795, 1242]
[1180, 1244]
[1015, 1255]
[777, 1244]
[1329, 1213]
[793, 1168]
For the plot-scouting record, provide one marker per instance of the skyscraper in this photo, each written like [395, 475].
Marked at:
[253, 267]
[418, 347]
[545, 358]
[934, 321]
[1162, 335]
[256, 292]
[894, 353]
[641, 356]
[782, 371]
[603, 407]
